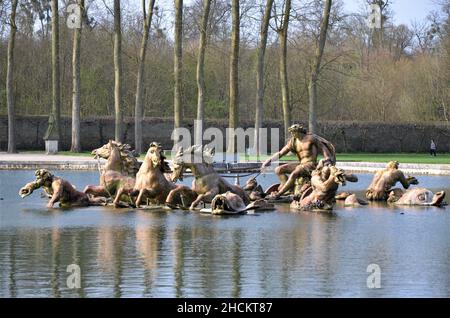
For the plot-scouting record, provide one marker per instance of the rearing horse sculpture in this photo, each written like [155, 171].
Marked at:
[119, 171]
[207, 183]
[152, 184]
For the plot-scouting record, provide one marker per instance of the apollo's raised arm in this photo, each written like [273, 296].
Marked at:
[284, 151]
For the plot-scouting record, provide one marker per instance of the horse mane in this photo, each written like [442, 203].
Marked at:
[129, 161]
[163, 163]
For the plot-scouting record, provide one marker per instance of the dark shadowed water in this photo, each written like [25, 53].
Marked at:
[136, 253]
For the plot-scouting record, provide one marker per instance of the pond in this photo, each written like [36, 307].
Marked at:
[137, 253]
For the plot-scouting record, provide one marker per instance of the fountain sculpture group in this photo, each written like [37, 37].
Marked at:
[309, 184]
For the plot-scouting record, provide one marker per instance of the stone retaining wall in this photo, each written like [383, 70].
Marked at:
[346, 136]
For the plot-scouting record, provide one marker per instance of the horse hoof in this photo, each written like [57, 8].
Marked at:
[170, 205]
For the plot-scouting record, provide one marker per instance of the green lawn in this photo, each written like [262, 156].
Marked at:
[80, 154]
[63, 153]
[385, 157]
[355, 157]
[401, 157]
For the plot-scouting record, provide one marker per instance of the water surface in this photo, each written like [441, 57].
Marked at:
[136, 253]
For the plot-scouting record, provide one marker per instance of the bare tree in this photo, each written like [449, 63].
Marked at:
[56, 83]
[76, 142]
[118, 72]
[260, 72]
[282, 31]
[139, 109]
[9, 81]
[178, 55]
[201, 69]
[234, 72]
[378, 33]
[312, 87]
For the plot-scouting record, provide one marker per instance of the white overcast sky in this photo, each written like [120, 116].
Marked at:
[405, 11]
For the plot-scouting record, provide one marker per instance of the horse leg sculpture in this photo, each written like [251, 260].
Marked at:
[207, 196]
[120, 191]
[98, 191]
[179, 191]
[145, 192]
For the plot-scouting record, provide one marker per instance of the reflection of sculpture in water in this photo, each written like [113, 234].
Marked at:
[385, 179]
[306, 147]
[110, 253]
[147, 244]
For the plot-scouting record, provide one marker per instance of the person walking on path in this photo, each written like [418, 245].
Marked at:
[432, 148]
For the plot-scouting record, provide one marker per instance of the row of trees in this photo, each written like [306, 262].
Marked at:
[207, 58]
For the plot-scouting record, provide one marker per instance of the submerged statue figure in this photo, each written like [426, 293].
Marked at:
[58, 190]
[307, 147]
[385, 179]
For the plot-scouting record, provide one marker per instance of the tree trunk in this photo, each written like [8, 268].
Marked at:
[234, 72]
[56, 83]
[76, 142]
[178, 55]
[139, 109]
[312, 92]
[118, 73]
[312, 88]
[378, 33]
[282, 36]
[9, 81]
[201, 70]
[260, 74]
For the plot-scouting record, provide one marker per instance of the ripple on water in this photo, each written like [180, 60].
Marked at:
[180, 254]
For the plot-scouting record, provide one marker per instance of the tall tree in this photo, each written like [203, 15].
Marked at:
[201, 69]
[56, 83]
[9, 81]
[282, 38]
[378, 32]
[234, 72]
[312, 87]
[178, 55]
[139, 109]
[118, 72]
[76, 142]
[259, 110]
